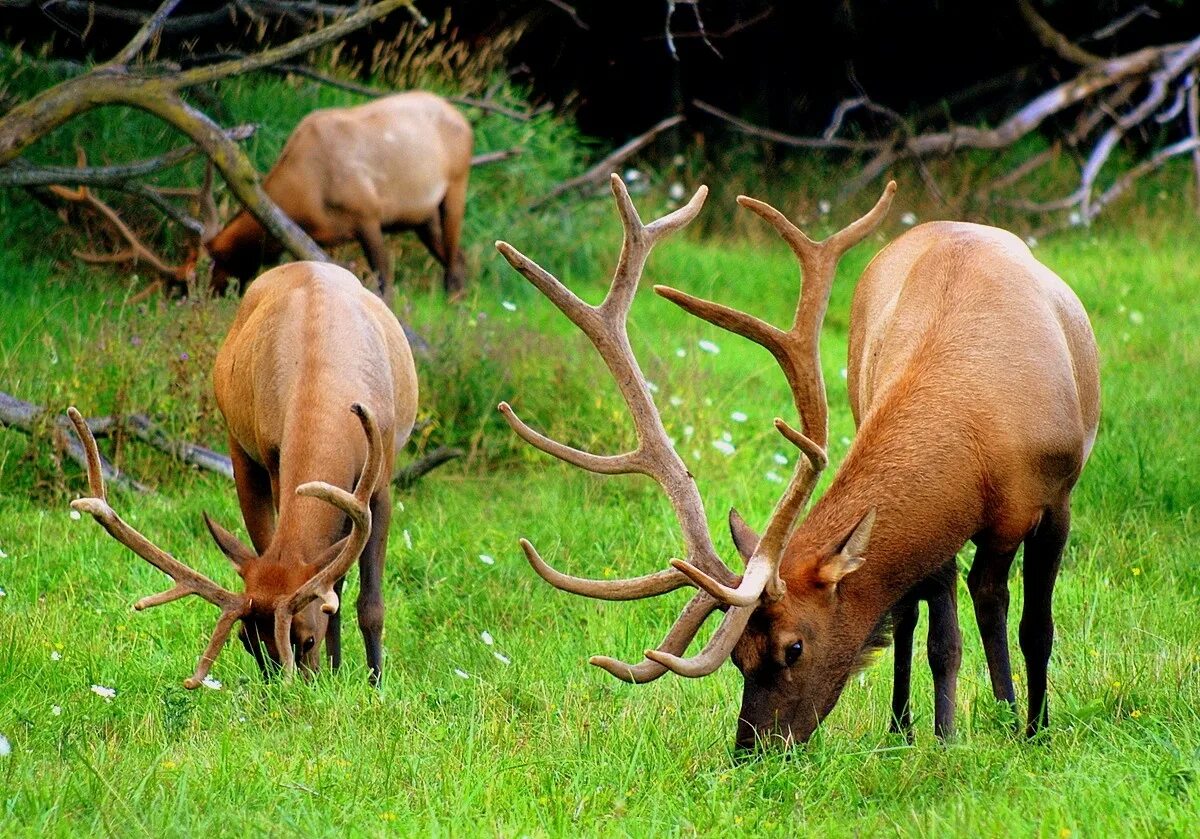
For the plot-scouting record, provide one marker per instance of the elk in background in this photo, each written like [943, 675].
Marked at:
[313, 360]
[973, 376]
[352, 174]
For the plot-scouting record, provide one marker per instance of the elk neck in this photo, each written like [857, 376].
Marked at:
[915, 463]
[243, 244]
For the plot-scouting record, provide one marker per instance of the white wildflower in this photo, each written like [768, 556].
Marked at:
[5, 748]
[676, 191]
[708, 346]
[780, 458]
[3, 593]
[726, 436]
[723, 446]
[632, 175]
[56, 656]
[739, 416]
[509, 305]
[104, 693]
[3, 555]
[678, 160]
[400, 506]
[1031, 241]
[671, 441]
[774, 477]
[462, 674]
[908, 219]
[1075, 219]
[211, 683]
[486, 560]
[696, 454]
[676, 401]
[823, 207]
[502, 658]
[845, 441]
[56, 710]
[487, 638]
[1136, 318]
[688, 431]
[844, 373]
[680, 352]
[407, 539]
[75, 516]
[651, 386]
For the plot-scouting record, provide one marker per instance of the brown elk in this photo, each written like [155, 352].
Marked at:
[312, 361]
[351, 174]
[973, 378]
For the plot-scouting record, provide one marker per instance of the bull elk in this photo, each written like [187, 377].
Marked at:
[973, 380]
[318, 389]
[352, 174]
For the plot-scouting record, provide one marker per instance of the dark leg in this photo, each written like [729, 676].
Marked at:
[944, 645]
[454, 207]
[988, 583]
[904, 623]
[254, 493]
[370, 236]
[1043, 554]
[430, 235]
[370, 592]
[333, 635]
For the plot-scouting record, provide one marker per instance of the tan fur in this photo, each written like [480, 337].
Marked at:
[349, 174]
[308, 341]
[974, 381]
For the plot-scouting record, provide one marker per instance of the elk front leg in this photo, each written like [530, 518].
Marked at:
[255, 496]
[454, 207]
[1043, 554]
[333, 635]
[904, 624]
[944, 646]
[370, 236]
[988, 584]
[370, 587]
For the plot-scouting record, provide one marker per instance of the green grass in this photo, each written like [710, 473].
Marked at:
[546, 745]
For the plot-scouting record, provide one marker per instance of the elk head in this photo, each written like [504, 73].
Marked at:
[281, 612]
[782, 612]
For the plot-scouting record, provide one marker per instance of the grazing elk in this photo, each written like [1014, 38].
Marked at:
[313, 360]
[973, 377]
[350, 174]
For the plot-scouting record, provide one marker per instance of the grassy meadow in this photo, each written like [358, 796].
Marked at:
[490, 721]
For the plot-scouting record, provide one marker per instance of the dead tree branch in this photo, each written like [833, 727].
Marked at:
[599, 172]
[1052, 39]
[422, 466]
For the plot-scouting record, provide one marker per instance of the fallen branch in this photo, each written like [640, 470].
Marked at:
[487, 157]
[422, 466]
[600, 172]
[788, 139]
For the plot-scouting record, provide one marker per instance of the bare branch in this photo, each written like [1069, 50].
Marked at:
[571, 12]
[827, 142]
[1052, 39]
[598, 173]
[149, 30]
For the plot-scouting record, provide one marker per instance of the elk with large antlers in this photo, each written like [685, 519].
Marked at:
[350, 174]
[318, 389]
[973, 377]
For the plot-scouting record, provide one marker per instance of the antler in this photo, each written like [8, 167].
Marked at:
[357, 506]
[605, 325]
[187, 580]
[798, 352]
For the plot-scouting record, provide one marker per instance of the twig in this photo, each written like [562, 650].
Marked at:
[788, 139]
[571, 12]
[601, 170]
[1052, 39]
[24, 416]
[485, 158]
[422, 466]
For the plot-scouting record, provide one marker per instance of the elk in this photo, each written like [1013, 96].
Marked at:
[350, 174]
[317, 386]
[973, 379]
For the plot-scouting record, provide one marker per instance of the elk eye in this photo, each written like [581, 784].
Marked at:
[793, 652]
[308, 643]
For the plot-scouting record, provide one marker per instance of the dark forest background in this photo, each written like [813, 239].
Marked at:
[781, 64]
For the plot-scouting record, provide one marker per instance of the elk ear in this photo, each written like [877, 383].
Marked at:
[230, 545]
[744, 539]
[851, 555]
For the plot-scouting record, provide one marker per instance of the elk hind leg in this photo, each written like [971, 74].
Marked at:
[452, 211]
[1043, 555]
[370, 236]
[988, 584]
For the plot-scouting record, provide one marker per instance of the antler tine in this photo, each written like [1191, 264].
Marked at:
[605, 326]
[635, 588]
[187, 580]
[715, 652]
[356, 505]
[675, 643]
